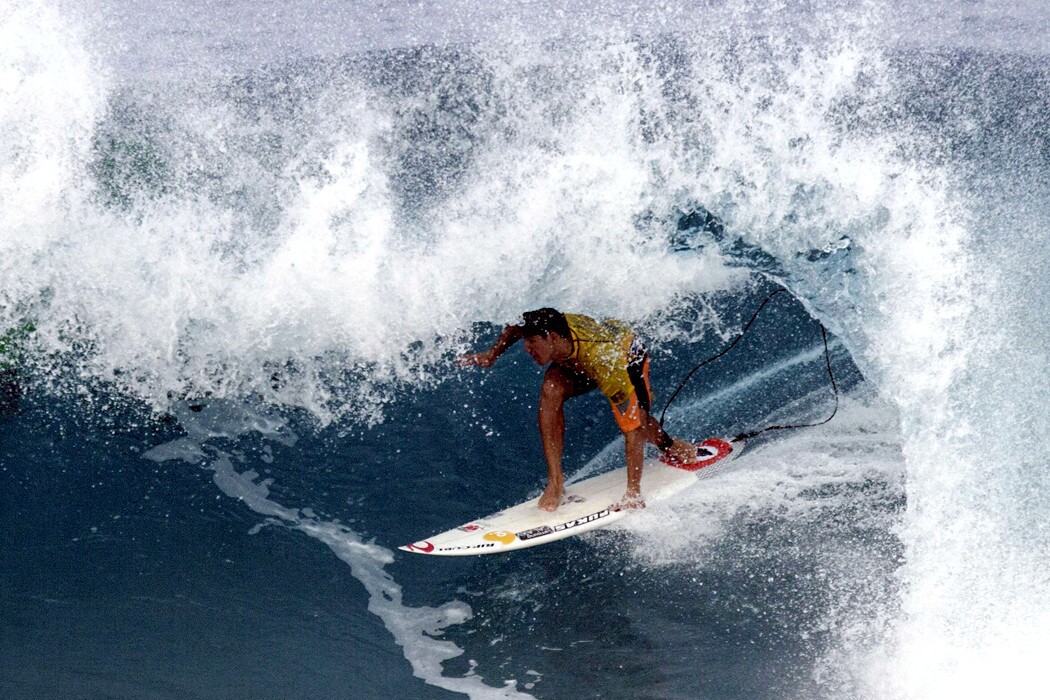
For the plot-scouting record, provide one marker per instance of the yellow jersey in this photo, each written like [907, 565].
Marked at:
[601, 350]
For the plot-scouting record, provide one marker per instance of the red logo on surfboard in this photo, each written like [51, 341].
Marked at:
[424, 547]
[708, 452]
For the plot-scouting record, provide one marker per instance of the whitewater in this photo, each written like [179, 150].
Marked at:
[242, 245]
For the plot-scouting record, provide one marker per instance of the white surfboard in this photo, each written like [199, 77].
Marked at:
[586, 507]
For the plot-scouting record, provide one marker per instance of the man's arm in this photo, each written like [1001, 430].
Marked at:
[634, 444]
[509, 336]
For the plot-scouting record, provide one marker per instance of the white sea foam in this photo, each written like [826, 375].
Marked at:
[51, 94]
[778, 477]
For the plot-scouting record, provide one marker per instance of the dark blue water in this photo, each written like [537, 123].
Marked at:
[130, 580]
[142, 579]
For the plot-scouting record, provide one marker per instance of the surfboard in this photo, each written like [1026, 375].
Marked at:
[587, 506]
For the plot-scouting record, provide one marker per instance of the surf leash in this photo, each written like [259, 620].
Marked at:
[732, 344]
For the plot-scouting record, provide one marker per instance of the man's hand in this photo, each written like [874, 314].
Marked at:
[509, 336]
[476, 359]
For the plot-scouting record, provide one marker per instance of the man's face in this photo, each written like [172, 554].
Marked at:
[540, 349]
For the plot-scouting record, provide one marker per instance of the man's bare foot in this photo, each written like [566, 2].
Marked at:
[630, 501]
[551, 498]
[681, 451]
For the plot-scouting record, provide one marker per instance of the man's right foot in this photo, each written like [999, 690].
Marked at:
[682, 452]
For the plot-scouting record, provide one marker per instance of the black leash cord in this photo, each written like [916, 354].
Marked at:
[715, 357]
[745, 436]
[834, 387]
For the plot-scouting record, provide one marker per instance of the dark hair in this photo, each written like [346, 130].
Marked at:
[544, 322]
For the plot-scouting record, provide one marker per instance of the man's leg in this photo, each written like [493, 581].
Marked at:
[558, 387]
[678, 450]
[652, 431]
[633, 418]
[634, 442]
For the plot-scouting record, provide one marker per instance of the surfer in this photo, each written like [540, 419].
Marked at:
[582, 354]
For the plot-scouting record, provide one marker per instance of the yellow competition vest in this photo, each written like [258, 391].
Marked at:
[600, 351]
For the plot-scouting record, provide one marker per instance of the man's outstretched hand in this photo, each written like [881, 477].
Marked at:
[476, 359]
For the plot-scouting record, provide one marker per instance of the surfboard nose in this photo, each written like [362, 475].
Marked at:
[422, 547]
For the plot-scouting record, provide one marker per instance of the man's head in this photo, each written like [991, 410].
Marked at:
[547, 335]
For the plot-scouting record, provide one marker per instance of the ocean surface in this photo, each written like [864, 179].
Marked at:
[242, 244]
